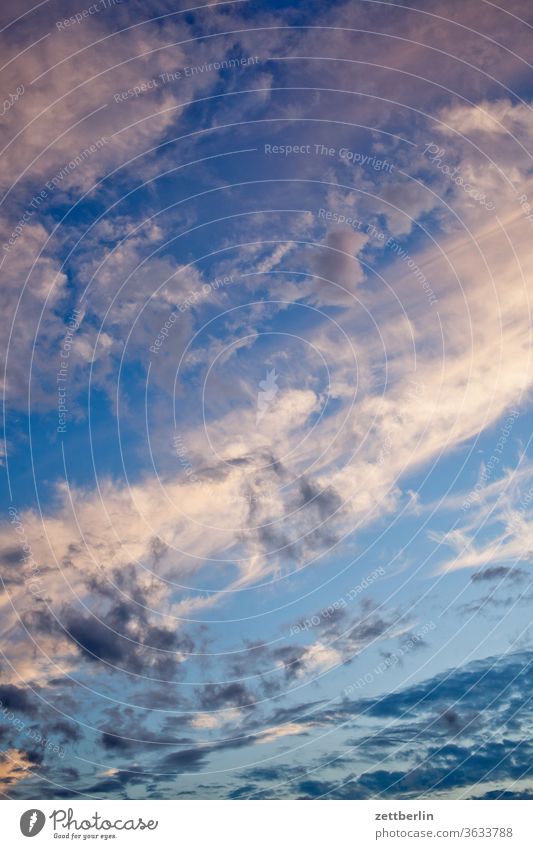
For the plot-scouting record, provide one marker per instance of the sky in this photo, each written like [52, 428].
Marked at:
[266, 514]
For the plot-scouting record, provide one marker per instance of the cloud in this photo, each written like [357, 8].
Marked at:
[187, 760]
[210, 519]
[500, 117]
[16, 698]
[15, 766]
[217, 697]
[77, 90]
[463, 729]
[336, 263]
[496, 573]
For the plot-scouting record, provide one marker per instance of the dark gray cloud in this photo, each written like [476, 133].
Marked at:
[275, 668]
[505, 794]
[122, 635]
[187, 760]
[459, 728]
[218, 696]
[498, 573]
[336, 262]
[17, 699]
[312, 520]
[490, 604]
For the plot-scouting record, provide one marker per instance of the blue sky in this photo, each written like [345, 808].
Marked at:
[267, 495]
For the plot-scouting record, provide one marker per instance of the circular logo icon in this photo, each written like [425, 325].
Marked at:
[32, 822]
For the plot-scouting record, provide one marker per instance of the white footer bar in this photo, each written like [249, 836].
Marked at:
[269, 824]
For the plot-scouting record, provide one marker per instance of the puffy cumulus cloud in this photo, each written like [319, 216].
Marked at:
[30, 723]
[78, 93]
[84, 83]
[46, 632]
[126, 639]
[405, 203]
[478, 156]
[121, 551]
[131, 293]
[497, 117]
[342, 639]
[220, 696]
[33, 290]
[433, 54]
[482, 311]
[337, 265]
[318, 658]
[15, 766]
[43, 320]
[136, 307]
